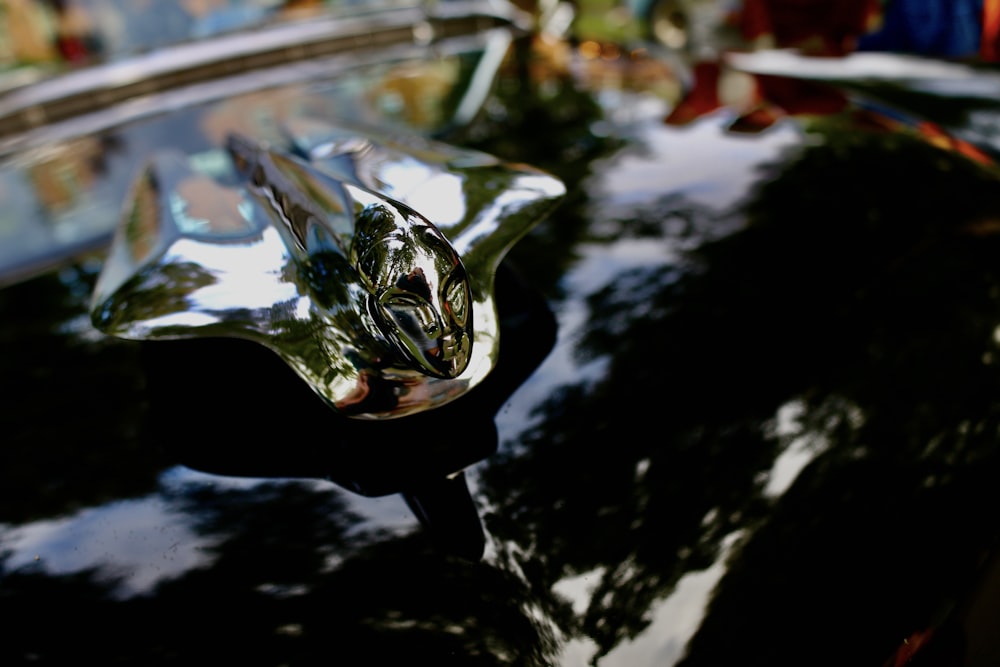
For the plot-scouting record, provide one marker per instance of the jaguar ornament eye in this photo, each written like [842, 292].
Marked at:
[346, 263]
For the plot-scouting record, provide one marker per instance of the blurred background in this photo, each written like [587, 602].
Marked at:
[49, 32]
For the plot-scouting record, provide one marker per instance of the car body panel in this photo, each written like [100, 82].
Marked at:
[752, 418]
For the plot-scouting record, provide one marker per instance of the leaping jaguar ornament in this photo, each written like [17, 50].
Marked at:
[366, 262]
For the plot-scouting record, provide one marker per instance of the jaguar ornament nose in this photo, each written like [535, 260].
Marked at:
[366, 262]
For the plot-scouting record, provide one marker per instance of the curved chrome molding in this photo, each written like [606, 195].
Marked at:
[232, 57]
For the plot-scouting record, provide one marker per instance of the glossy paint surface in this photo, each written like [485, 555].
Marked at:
[770, 397]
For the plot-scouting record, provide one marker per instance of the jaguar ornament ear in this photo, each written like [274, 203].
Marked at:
[366, 262]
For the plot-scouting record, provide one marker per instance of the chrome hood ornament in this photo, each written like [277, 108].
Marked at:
[416, 291]
[366, 263]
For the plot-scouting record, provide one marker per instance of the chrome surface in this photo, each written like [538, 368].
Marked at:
[251, 52]
[366, 264]
[63, 183]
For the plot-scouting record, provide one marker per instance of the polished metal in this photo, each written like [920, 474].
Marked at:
[267, 52]
[366, 262]
[62, 183]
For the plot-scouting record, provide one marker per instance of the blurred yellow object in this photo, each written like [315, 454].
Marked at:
[27, 33]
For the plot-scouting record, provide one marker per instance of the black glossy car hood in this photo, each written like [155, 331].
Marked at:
[759, 424]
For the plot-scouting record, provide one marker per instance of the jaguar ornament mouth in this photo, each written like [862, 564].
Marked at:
[368, 267]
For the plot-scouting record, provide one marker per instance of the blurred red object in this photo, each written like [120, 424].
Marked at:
[828, 27]
[988, 47]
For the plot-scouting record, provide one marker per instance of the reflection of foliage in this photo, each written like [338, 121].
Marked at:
[328, 274]
[892, 298]
[71, 421]
[860, 289]
[316, 345]
[291, 581]
[155, 291]
[672, 216]
[545, 123]
[481, 193]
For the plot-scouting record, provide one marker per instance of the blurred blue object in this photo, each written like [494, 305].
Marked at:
[943, 28]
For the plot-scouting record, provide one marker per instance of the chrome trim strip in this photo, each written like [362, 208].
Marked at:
[246, 53]
[155, 103]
